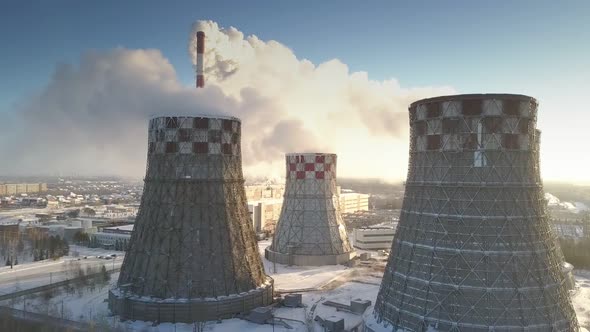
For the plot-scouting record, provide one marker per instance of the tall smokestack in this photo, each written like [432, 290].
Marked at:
[200, 52]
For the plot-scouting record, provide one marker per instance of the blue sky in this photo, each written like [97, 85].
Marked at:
[540, 48]
[471, 45]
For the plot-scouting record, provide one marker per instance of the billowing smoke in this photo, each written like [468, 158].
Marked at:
[92, 118]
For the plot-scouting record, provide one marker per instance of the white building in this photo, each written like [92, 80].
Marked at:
[108, 240]
[109, 236]
[374, 237]
[119, 212]
[351, 202]
[265, 214]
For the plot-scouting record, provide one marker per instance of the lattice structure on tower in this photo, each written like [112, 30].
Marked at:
[193, 255]
[310, 230]
[474, 250]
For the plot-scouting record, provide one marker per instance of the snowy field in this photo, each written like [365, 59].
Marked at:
[317, 284]
[25, 276]
[581, 298]
[13, 215]
[336, 283]
[296, 277]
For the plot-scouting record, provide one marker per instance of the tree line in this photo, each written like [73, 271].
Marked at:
[50, 247]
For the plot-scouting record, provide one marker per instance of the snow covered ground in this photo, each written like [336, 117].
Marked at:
[581, 298]
[25, 276]
[319, 284]
[575, 207]
[336, 283]
[13, 215]
[296, 277]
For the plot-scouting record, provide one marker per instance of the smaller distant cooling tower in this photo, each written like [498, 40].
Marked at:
[310, 230]
[193, 255]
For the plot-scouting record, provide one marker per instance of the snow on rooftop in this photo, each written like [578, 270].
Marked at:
[121, 228]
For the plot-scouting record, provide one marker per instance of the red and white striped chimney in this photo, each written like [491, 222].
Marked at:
[200, 51]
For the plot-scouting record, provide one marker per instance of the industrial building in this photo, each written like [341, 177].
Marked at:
[374, 237]
[474, 250]
[193, 254]
[310, 230]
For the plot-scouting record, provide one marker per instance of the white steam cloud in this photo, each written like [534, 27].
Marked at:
[92, 118]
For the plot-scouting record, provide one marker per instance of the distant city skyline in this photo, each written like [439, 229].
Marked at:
[537, 48]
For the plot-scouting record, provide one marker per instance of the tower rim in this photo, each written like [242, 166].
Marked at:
[196, 116]
[473, 96]
[309, 153]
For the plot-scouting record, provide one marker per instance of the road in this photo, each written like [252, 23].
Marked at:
[42, 273]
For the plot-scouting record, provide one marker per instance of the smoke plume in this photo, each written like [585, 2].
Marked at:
[91, 118]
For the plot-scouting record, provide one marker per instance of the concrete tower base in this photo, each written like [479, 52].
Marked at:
[308, 260]
[131, 307]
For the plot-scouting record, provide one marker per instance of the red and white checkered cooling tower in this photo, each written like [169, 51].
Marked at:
[310, 230]
[474, 249]
[193, 254]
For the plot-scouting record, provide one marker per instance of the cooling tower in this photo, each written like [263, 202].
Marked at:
[310, 230]
[474, 250]
[193, 255]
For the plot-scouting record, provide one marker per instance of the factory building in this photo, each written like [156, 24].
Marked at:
[474, 250]
[374, 237]
[193, 254]
[310, 230]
